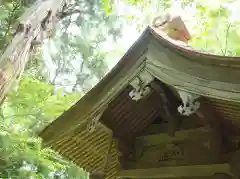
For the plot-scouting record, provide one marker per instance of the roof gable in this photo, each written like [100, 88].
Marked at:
[166, 67]
[170, 55]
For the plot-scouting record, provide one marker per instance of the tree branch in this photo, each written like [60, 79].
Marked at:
[10, 20]
[68, 13]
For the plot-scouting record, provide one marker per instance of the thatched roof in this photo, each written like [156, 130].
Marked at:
[179, 66]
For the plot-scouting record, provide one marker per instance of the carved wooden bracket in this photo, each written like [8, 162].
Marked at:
[169, 106]
[190, 105]
[140, 86]
[93, 123]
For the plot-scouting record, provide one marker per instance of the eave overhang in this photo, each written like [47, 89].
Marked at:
[176, 65]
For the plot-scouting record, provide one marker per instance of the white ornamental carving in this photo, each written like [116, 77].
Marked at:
[140, 86]
[190, 105]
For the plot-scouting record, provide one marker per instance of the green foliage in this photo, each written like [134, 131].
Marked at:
[26, 111]
[216, 31]
[35, 105]
[22, 157]
[108, 6]
[75, 50]
[23, 115]
[9, 13]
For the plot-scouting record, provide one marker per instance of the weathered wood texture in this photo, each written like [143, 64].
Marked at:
[94, 151]
[177, 172]
[190, 147]
[172, 64]
[98, 98]
[193, 71]
[33, 22]
[96, 175]
[169, 106]
[210, 116]
[205, 177]
[113, 162]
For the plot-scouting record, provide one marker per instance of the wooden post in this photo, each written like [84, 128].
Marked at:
[171, 114]
[208, 114]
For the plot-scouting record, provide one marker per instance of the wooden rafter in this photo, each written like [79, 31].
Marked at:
[207, 113]
[193, 134]
[170, 112]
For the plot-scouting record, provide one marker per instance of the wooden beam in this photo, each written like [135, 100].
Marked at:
[209, 177]
[102, 94]
[170, 112]
[154, 129]
[233, 158]
[209, 114]
[177, 172]
[187, 147]
[191, 134]
[96, 175]
[124, 148]
[108, 153]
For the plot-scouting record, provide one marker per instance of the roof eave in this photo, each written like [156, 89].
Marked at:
[98, 98]
[72, 118]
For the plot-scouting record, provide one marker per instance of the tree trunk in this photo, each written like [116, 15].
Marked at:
[32, 25]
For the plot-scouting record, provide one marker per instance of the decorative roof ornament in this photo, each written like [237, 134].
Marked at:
[140, 85]
[190, 105]
[173, 26]
[175, 29]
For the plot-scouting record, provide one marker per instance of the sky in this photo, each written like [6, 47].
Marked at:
[130, 33]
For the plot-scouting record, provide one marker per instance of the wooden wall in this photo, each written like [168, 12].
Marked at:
[188, 147]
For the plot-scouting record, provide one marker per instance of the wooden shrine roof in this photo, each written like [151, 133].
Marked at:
[125, 118]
